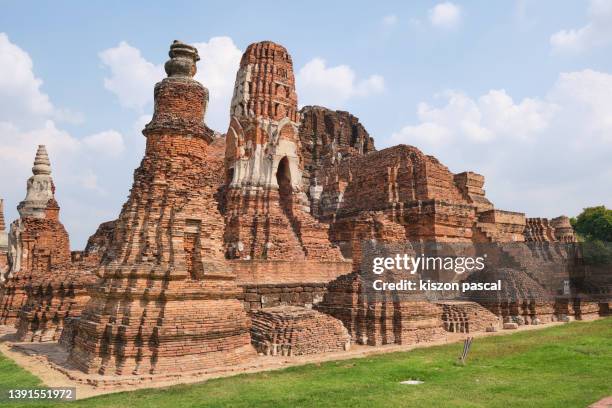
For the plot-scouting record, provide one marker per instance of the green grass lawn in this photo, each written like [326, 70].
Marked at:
[561, 366]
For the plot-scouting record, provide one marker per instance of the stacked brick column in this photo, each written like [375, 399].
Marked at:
[167, 301]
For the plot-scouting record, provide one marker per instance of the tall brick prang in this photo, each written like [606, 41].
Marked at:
[166, 300]
[267, 210]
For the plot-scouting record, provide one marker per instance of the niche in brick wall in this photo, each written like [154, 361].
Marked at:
[192, 247]
[285, 191]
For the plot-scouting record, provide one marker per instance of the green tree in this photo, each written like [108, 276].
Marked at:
[594, 223]
[594, 228]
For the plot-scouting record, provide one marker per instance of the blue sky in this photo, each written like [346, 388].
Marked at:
[520, 91]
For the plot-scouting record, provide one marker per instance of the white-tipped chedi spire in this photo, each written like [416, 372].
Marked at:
[42, 165]
[40, 187]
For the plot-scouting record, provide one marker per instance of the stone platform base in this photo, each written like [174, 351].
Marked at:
[294, 331]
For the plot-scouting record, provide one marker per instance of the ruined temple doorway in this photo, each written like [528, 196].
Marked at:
[283, 178]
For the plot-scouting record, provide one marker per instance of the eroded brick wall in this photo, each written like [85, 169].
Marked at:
[327, 136]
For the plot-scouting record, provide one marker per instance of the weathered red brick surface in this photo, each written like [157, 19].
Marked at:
[39, 247]
[294, 331]
[167, 301]
[466, 317]
[267, 210]
[328, 136]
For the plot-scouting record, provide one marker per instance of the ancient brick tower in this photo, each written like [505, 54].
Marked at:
[3, 244]
[37, 240]
[267, 209]
[38, 244]
[167, 301]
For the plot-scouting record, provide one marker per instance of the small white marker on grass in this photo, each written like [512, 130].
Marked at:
[411, 382]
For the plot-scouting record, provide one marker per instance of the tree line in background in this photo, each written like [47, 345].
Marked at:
[594, 223]
[594, 228]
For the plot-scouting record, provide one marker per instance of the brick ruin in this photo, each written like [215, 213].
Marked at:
[520, 300]
[38, 242]
[42, 285]
[167, 300]
[3, 244]
[327, 136]
[96, 246]
[58, 298]
[466, 317]
[549, 230]
[267, 210]
[294, 331]
[261, 240]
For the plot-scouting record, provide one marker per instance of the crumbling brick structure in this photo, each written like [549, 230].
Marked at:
[539, 230]
[38, 242]
[466, 317]
[3, 245]
[544, 230]
[410, 188]
[328, 136]
[50, 301]
[167, 300]
[61, 296]
[520, 299]
[267, 211]
[285, 283]
[98, 244]
[294, 331]
[43, 285]
[564, 232]
[380, 317]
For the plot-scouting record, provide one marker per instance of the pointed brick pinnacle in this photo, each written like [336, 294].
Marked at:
[42, 165]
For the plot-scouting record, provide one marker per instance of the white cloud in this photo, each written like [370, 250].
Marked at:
[491, 116]
[445, 15]
[19, 86]
[68, 116]
[585, 102]
[331, 86]
[132, 77]
[28, 118]
[596, 33]
[390, 20]
[108, 142]
[22, 101]
[89, 180]
[546, 155]
[17, 146]
[219, 61]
